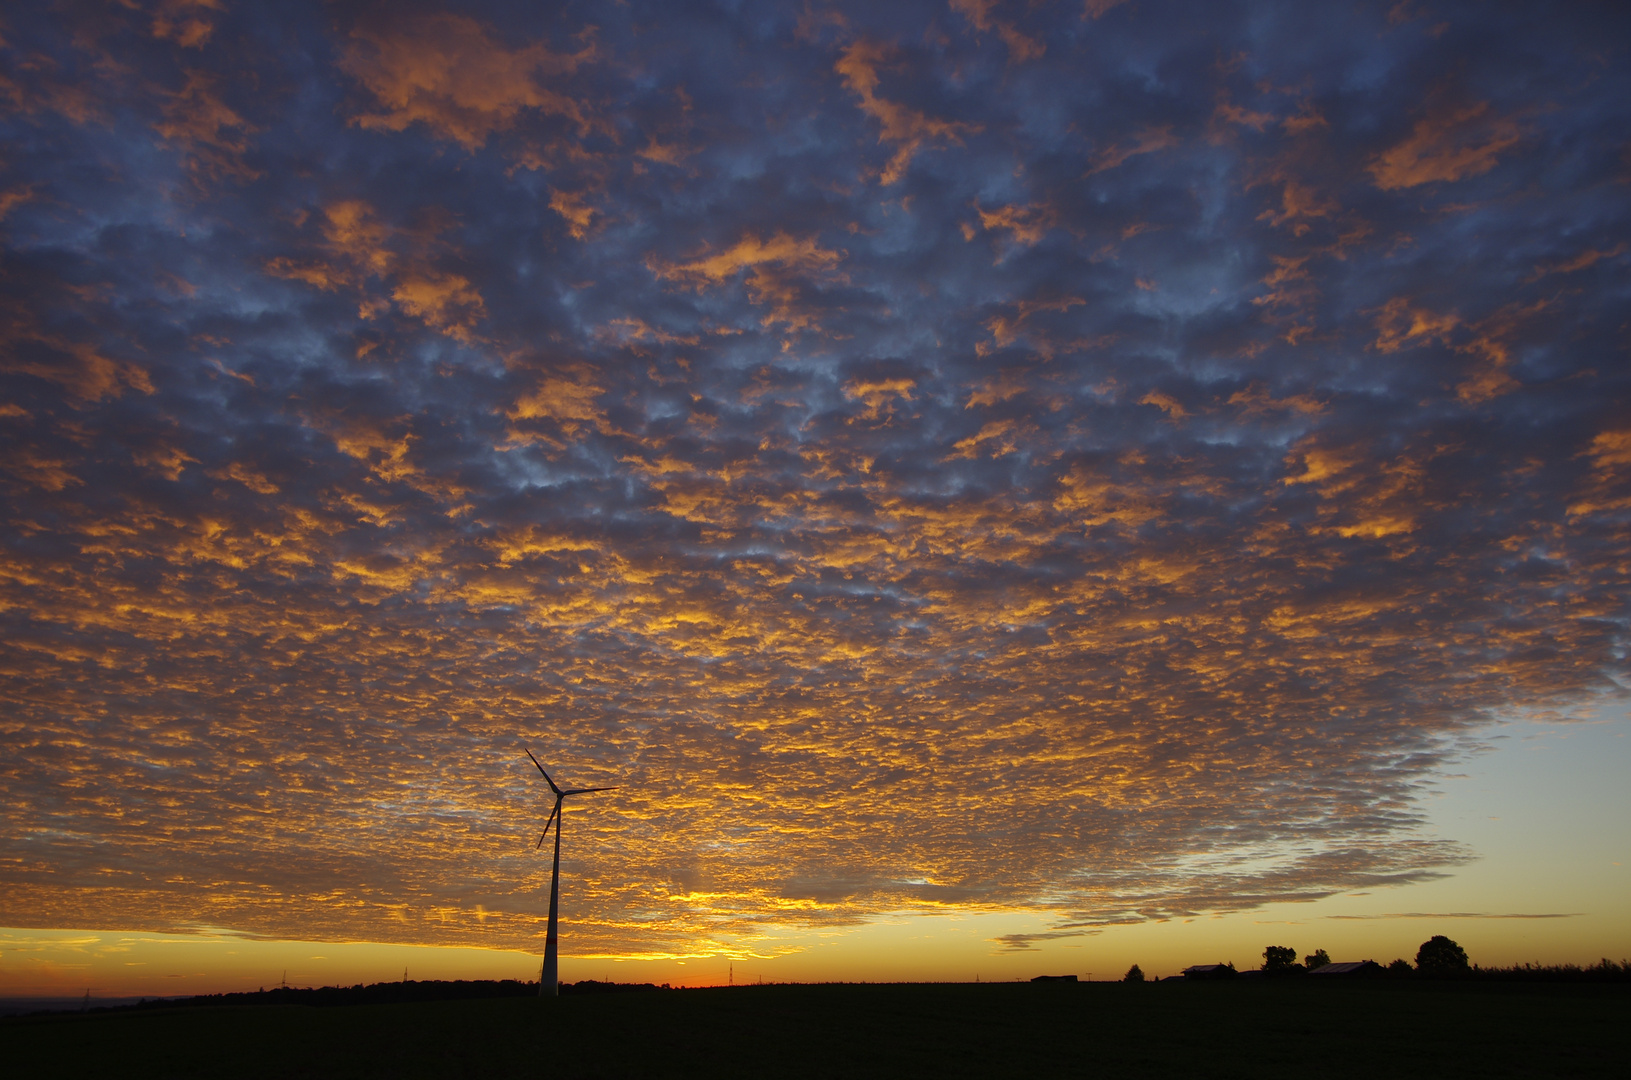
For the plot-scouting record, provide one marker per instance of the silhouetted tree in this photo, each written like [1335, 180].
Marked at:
[1441, 958]
[1279, 958]
[1134, 974]
[1319, 959]
[1400, 969]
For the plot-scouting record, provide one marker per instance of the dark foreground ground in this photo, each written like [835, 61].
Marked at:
[1215, 1030]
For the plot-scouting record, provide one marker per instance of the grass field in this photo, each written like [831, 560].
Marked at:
[1376, 1029]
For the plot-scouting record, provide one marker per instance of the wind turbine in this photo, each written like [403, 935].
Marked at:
[548, 983]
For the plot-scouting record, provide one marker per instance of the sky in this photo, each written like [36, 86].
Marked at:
[999, 486]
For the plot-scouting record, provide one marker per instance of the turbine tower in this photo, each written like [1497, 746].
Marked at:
[548, 983]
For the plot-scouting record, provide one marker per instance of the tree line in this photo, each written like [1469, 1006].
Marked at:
[1438, 958]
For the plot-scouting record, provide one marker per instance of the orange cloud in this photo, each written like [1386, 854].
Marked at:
[1020, 47]
[1588, 258]
[1025, 224]
[905, 127]
[184, 22]
[750, 252]
[1005, 329]
[1362, 498]
[1257, 401]
[355, 244]
[83, 372]
[997, 390]
[1604, 492]
[1091, 498]
[1289, 282]
[39, 90]
[357, 247]
[569, 397]
[777, 269]
[1166, 403]
[1321, 464]
[573, 207]
[1306, 119]
[629, 329]
[352, 232]
[1447, 144]
[1147, 141]
[1298, 204]
[39, 469]
[1400, 324]
[1491, 342]
[876, 394]
[996, 431]
[13, 198]
[1611, 449]
[1231, 113]
[445, 302]
[210, 135]
[250, 478]
[446, 72]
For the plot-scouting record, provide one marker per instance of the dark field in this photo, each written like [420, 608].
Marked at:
[1373, 1029]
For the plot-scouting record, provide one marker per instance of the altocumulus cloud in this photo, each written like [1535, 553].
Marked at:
[1093, 459]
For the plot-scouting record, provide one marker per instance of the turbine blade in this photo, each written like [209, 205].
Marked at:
[548, 823]
[586, 790]
[547, 780]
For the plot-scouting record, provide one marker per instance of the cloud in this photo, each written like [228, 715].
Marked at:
[1400, 325]
[779, 270]
[441, 410]
[444, 301]
[1025, 224]
[212, 138]
[1449, 143]
[907, 128]
[447, 72]
[1020, 47]
[1027, 942]
[1097, 9]
[1584, 260]
[1147, 141]
[186, 22]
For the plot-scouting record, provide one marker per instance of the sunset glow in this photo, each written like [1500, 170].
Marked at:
[1000, 487]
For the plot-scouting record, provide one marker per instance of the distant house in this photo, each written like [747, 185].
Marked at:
[1209, 971]
[1054, 978]
[1350, 969]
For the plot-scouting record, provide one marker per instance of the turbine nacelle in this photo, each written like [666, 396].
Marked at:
[554, 815]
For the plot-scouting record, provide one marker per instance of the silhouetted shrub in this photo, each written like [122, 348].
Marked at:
[1400, 969]
[1319, 959]
[1134, 974]
[1441, 958]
